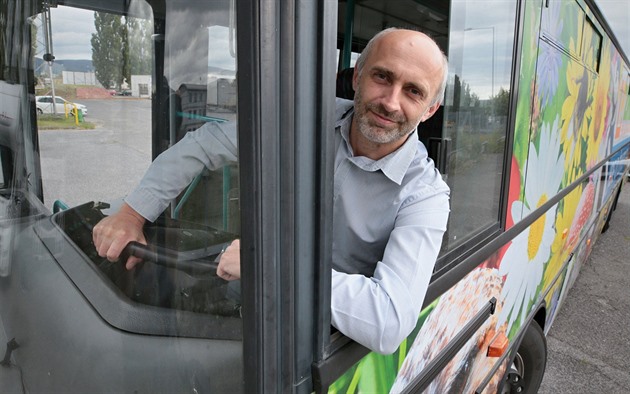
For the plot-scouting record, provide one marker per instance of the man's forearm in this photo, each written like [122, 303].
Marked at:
[212, 146]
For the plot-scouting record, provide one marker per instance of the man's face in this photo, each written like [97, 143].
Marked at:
[380, 125]
[396, 86]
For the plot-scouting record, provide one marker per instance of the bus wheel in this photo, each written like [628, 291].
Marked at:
[526, 372]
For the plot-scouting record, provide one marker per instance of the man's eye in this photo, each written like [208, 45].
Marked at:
[415, 92]
[380, 76]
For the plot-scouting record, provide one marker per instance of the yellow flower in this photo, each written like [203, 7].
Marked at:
[574, 106]
[559, 253]
[598, 111]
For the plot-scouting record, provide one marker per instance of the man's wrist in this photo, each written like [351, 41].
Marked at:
[131, 213]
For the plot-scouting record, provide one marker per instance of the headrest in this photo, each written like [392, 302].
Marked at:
[344, 84]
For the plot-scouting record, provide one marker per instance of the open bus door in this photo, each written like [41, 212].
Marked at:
[70, 320]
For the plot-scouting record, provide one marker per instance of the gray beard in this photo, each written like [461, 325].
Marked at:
[374, 133]
[378, 135]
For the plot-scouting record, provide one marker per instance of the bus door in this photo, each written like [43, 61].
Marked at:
[71, 320]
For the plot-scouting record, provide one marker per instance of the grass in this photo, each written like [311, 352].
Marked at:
[57, 122]
[69, 92]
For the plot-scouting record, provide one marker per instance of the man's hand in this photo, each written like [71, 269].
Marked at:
[230, 263]
[114, 232]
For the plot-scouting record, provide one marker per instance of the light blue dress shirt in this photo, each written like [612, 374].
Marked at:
[389, 218]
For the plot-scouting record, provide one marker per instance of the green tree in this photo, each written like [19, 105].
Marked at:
[462, 95]
[138, 47]
[502, 102]
[107, 49]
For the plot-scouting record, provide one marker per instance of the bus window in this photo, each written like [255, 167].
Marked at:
[467, 136]
[476, 115]
[146, 75]
[163, 74]
[592, 45]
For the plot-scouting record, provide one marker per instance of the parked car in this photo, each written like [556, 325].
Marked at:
[124, 92]
[44, 105]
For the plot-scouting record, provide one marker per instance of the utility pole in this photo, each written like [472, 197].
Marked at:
[48, 56]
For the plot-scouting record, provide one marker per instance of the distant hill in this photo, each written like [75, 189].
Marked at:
[76, 65]
[60, 65]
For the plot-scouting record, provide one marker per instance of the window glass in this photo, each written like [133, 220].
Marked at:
[10, 97]
[466, 137]
[475, 114]
[2, 182]
[592, 45]
[157, 74]
[205, 96]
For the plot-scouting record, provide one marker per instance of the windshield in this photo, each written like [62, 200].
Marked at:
[143, 79]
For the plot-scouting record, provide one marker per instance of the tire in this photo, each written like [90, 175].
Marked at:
[526, 371]
[39, 111]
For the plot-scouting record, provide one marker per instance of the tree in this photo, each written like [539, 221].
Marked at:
[462, 95]
[107, 49]
[138, 47]
[501, 102]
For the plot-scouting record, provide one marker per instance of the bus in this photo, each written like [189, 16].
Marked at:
[533, 139]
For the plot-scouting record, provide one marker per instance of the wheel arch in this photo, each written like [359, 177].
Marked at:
[541, 315]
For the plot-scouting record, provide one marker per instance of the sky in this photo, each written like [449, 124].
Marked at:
[617, 14]
[72, 28]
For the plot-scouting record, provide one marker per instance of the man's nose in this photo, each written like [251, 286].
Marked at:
[391, 98]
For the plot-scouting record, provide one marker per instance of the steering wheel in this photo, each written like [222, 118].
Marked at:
[198, 262]
[171, 259]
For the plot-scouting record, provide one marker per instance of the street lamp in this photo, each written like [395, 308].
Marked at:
[493, 41]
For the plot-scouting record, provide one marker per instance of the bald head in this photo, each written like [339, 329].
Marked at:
[414, 44]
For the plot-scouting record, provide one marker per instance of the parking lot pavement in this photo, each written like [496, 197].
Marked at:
[589, 343]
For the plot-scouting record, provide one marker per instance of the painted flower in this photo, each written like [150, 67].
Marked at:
[578, 100]
[552, 23]
[598, 111]
[547, 72]
[560, 253]
[524, 262]
[615, 98]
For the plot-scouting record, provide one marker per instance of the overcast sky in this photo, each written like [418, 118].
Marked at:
[72, 28]
[617, 13]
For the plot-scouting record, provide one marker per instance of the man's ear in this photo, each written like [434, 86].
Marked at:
[430, 111]
[355, 79]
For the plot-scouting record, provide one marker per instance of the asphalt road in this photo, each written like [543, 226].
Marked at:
[589, 342]
[102, 164]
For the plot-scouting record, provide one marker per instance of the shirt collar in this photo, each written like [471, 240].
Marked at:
[394, 166]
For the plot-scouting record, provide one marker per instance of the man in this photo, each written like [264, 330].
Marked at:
[390, 203]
